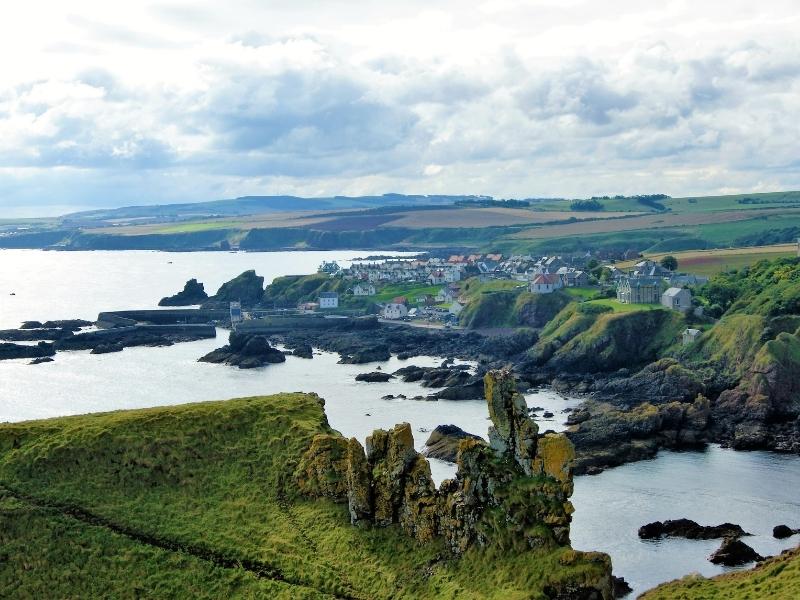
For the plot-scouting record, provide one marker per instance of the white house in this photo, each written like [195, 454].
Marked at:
[363, 289]
[545, 284]
[455, 308]
[395, 311]
[436, 278]
[677, 299]
[690, 335]
[445, 295]
[328, 300]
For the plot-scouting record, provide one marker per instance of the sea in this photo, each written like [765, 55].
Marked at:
[757, 490]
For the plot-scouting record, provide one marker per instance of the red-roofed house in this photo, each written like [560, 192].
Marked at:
[545, 284]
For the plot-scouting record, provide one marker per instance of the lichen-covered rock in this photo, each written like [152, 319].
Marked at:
[417, 515]
[322, 471]
[555, 457]
[513, 493]
[359, 489]
[389, 455]
[513, 431]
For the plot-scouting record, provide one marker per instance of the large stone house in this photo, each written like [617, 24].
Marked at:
[639, 290]
[677, 299]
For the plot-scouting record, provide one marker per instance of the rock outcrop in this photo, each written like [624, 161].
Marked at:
[513, 492]
[606, 436]
[11, 351]
[374, 377]
[764, 410]
[686, 528]
[782, 532]
[71, 324]
[193, 292]
[444, 441]
[734, 552]
[247, 288]
[246, 351]
[457, 381]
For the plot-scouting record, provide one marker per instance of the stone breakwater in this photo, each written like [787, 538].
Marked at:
[511, 493]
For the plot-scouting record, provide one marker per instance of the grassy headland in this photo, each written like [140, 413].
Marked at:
[199, 501]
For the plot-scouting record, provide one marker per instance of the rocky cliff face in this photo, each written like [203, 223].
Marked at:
[764, 410]
[247, 288]
[193, 292]
[511, 493]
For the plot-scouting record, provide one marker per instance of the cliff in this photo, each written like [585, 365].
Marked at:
[587, 339]
[247, 288]
[200, 501]
[511, 308]
[511, 495]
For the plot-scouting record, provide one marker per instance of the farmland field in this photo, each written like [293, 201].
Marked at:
[710, 262]
[654, 221]
[492, 217]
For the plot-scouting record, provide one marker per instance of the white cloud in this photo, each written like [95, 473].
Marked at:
[193, 100]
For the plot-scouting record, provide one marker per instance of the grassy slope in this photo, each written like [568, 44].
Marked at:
[213, 480]
[592, 337]
[776, 579]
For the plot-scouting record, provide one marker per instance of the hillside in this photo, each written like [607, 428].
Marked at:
[777, 579]
[199, 501]
[656, 225]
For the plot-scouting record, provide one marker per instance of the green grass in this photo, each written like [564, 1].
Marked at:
[171, 487]
[777, 579]
[194, 226]
[584, 293]
[619, 307]
[386, 293]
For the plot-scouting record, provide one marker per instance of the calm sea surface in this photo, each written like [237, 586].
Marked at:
[757, 489]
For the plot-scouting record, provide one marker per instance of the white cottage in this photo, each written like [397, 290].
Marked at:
[363, 289]
[328, 300]
[395, 311]
[677, 299]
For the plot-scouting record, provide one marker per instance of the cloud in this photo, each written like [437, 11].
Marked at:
[517, 99]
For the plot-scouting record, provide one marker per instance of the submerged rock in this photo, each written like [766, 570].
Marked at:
[374, 353]
[686, 528]
[374, 377]
[783, 531]
[39, 361]
[621, 587]
[303, 351]
[12, 351]
[444, 441]
[733, 553]
[71, 324]
[193, 292]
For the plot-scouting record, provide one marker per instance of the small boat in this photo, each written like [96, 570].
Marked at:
[12, 294]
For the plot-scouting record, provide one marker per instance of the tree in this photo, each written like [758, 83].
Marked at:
[669, 262]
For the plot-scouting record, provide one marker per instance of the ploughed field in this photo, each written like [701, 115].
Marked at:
[199, 501]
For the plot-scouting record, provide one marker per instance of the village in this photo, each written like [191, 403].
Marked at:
[435, 290]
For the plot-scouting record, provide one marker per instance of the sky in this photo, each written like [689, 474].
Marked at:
[107, 103]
